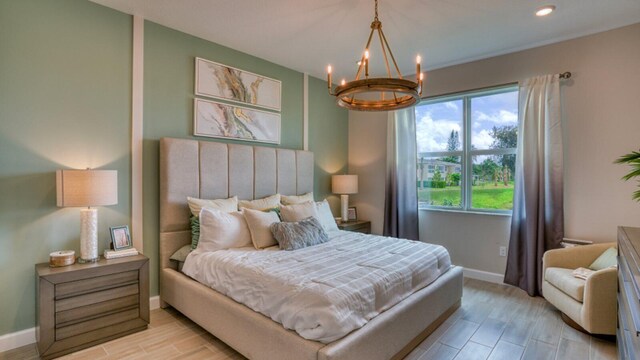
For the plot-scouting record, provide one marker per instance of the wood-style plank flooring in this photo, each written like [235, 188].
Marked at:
[494, 322]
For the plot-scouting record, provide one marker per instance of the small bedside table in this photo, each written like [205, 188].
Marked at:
[361, 226]
[82, 305]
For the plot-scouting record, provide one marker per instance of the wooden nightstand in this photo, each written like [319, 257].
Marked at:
[361, 226]
[82, 305]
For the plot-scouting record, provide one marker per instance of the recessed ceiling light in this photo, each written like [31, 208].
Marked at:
[545, 10]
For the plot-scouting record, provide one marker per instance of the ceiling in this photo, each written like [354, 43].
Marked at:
[306, 35]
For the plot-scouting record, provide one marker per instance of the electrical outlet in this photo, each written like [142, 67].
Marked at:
[503, 251]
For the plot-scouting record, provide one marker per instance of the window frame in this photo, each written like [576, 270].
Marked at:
[466, 154]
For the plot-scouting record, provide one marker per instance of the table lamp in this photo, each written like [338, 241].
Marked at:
[344, 185]
[80, 188]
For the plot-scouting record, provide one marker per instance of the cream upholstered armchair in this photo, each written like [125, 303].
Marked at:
[590, 303]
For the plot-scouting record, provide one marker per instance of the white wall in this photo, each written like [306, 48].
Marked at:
[601, 119]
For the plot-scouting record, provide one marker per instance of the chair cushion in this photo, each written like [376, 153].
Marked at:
[609, 258]
[564, 280]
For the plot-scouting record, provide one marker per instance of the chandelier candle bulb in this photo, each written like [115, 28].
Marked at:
[418, 60]
[329, 77]
[343, 82]
[366, 63]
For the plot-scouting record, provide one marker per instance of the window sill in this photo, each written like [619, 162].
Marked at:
[466, 212]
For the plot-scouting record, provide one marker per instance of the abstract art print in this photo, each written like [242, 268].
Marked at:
[219, 120]
[226, 82]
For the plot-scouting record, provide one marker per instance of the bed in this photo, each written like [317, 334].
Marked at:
[211, 170]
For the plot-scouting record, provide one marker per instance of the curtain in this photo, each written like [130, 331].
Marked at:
[537, 224]
[401, 196]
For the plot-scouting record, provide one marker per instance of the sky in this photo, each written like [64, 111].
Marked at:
[434, 122]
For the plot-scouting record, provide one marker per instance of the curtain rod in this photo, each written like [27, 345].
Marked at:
[564, 75]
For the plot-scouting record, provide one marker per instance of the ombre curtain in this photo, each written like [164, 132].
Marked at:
[401, 197]
[537, 224]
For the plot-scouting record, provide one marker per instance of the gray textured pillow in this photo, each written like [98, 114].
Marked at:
[297, 235]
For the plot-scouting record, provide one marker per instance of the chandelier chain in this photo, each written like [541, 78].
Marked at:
[376, 10]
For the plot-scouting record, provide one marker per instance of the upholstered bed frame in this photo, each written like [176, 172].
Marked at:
[216, 170]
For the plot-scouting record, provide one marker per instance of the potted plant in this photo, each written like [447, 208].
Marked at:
[633, 160]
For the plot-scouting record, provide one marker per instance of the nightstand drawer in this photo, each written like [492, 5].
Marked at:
[95, 324]
[84, 313]
[360, 226]
[96, 297]
[73, 288]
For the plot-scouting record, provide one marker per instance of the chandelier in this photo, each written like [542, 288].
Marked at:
[377, 93]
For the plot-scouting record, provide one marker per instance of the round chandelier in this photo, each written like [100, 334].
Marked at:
[377, 93]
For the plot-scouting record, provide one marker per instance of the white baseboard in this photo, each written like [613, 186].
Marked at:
[17, 339]
[154, 302]
[28, 336]
[483, 275]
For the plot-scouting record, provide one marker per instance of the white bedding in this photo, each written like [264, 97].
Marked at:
[322, 292]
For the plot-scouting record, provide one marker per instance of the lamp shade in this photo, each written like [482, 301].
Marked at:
[344, 184]
[86, 187]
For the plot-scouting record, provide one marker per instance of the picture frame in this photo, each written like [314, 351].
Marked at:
[352, 213]
[120, 237]
[219, 120]
[220, 81]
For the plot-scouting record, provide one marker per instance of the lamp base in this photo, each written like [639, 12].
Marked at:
[88, 236]
[344, 202]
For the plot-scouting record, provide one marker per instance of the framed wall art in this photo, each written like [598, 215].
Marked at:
[220, 120]
[228, 83]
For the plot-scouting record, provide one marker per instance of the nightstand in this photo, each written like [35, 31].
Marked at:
[82, 305]
[361, 226]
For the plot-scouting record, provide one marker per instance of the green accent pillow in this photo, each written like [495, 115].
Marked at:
[195, 231]
[607, 259]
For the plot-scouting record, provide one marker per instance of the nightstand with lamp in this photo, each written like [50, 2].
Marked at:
[345, 185]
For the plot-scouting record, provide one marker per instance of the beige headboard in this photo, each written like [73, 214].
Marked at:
[213, 170]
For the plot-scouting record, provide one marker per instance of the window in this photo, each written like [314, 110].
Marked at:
[467, 145]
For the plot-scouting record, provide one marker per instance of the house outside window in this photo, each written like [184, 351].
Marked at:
[467, 146]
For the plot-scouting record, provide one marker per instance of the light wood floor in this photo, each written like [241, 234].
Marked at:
[494, 322]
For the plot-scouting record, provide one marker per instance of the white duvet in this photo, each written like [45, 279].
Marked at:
[322, 292]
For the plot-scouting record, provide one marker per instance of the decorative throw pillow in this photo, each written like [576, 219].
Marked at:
[181, 254]
[195, 231]
[269, 202]
[259, 223]
[297, 235]
[221, 230]
[296, 199]
[325, 216]
[607, 259]
[299, 211]
[226, 205]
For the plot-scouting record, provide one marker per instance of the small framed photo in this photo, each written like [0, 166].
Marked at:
[120, 237]
[352, 214]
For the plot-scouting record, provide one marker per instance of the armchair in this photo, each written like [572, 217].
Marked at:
[590, 303]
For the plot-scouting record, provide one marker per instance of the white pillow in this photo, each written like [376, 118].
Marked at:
[296, 199]
[221, 230]
[259, 223]
[270, 202]
[226, 205]
[325, 216]
[298, 212]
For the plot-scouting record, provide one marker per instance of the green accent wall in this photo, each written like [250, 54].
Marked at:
[65, 102]
[328, 139]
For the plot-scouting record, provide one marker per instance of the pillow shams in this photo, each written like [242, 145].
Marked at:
[608, 258]
[298, 212]
[221, 230]
[266, 203]
[226, 205]
[297, 235]
[325, 216]
[296, 199]
[259, 223]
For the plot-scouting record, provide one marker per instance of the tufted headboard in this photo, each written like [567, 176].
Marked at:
[213, 170]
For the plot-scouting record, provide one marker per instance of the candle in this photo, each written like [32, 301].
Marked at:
[418, 59]
[343, 82]
[329, 77]
[366, 63]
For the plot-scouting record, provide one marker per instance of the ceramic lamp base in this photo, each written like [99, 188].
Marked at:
[344, 203]
[88, 236]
